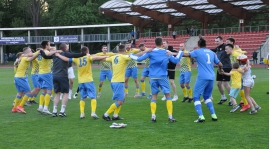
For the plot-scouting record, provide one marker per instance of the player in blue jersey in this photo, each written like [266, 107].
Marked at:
[158, 75]
[205, 79]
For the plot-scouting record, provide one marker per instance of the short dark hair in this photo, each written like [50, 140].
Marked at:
[158, 41]
[219, 37]
[235, 65]
[127, 43]
[104, 46]
[19, 54]
[121, 48]
[141, 45]
[63, 46]
[44, 43]
[229, 45]
[84, 49]
[201, 43]
[166, 41]
[231, 40]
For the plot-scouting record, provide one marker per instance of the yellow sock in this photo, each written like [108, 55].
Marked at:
[190, 92]
[185, 91]
[126, 90]
[41, 99]
[47, 99]
[242, 94]
[117, 110]
[25, 98]
[169, 106]
[138, 90]
[153, 106]
[94, 105]
[82, 105]
[111, 109]
[53, 93]
[17, 101]
[99, 89]
[143, 86]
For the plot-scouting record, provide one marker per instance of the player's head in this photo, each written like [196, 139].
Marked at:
[229, 48]
[45, 44]
[182, 46]
[67, 46]
[202, 43]
[230, 41]
[63, 47]
[128, 46]
[235, 65]
[85, 49]
[219, 40]
[27, 50]
[104, 48]
[165, 44]
[121, 49]
[142, 46]
[158, 41]
[19, 54]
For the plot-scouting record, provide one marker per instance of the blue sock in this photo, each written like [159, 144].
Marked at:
[210, 106]
[198, 107]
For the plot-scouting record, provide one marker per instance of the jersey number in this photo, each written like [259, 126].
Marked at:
[83, 62]
[208, 59]
[115, 60]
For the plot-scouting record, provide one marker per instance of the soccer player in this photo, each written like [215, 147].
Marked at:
[158, 76]
[205, 78]
[85, 79]
[21, 80]
[45, 78]
[221, 79]
[145, 72]
[171, 71]
[236, 76]
[185, 75]
[105, 70]
[119, 66]
[132, 71]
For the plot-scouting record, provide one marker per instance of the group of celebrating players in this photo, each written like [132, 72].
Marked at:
[160, 63]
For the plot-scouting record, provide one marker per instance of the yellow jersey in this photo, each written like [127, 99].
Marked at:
[35, 67]
[132, 63]
[105, 65]
[119, 66]
[22, 68]
[185, 64]
[44, 64]
[236, 79]
[84, 69]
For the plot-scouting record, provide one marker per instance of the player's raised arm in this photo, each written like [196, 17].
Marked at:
[176, 59]
[63, 57]
[95, 58]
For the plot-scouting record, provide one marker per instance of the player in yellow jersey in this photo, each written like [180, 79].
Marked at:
[106, 68]
[132, 70]
[21, 80]
[234, 54]
[85, 79]
[119, 66]
[185, 75]
[45, 78]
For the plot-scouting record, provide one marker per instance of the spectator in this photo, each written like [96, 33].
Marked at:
[5, 58]
[174, 34]
[254, 56]
[138, 34]
[192, 31]
[132, 33]
[187, 30]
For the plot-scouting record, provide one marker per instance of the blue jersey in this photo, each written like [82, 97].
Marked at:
[158, 62]
[205, 59]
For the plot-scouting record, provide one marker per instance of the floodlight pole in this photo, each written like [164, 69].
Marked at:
[82, 34]
[134, 32]
[1, 49]
[55, 34]
[109, 40]
[29, 38]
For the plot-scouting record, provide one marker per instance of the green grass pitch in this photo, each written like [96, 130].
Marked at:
[232, 130]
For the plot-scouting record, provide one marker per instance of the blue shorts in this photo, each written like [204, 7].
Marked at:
[184, 77]
[145, 72]
[162, 83]
[132, 72]
[45, 81]
[118, 90]
[105, 73]
[87, 90]
[234, 92]
[35, 81]
[22, 84]
[203, 87]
